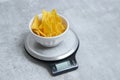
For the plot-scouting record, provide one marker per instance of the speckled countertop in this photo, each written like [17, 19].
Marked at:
[96, 22]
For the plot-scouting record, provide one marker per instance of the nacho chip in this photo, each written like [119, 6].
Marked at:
[50, 24]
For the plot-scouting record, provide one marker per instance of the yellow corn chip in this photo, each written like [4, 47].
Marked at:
[50, 24]
[36, 22]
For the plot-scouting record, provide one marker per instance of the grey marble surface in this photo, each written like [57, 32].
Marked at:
[96, 22]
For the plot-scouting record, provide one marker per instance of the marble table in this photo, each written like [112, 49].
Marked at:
[96, 22]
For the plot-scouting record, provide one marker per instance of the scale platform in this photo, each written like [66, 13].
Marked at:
[60, 58]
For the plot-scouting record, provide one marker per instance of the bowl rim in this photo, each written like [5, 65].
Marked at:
[67, 28]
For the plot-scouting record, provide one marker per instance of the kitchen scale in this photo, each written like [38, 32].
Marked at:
[60, 58]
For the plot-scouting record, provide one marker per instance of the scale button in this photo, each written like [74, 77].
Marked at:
[73, 62]
[54, 68]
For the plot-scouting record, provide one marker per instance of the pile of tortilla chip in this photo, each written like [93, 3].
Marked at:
[50, 25]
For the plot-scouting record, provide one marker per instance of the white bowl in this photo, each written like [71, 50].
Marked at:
[50, 41]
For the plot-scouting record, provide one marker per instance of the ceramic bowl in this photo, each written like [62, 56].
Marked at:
[50, 41]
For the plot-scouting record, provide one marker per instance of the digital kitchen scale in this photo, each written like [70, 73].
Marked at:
[61, 58]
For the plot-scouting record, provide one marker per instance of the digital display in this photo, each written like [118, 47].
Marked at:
[63, 65]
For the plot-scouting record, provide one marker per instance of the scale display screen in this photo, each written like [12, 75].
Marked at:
[63, 65]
